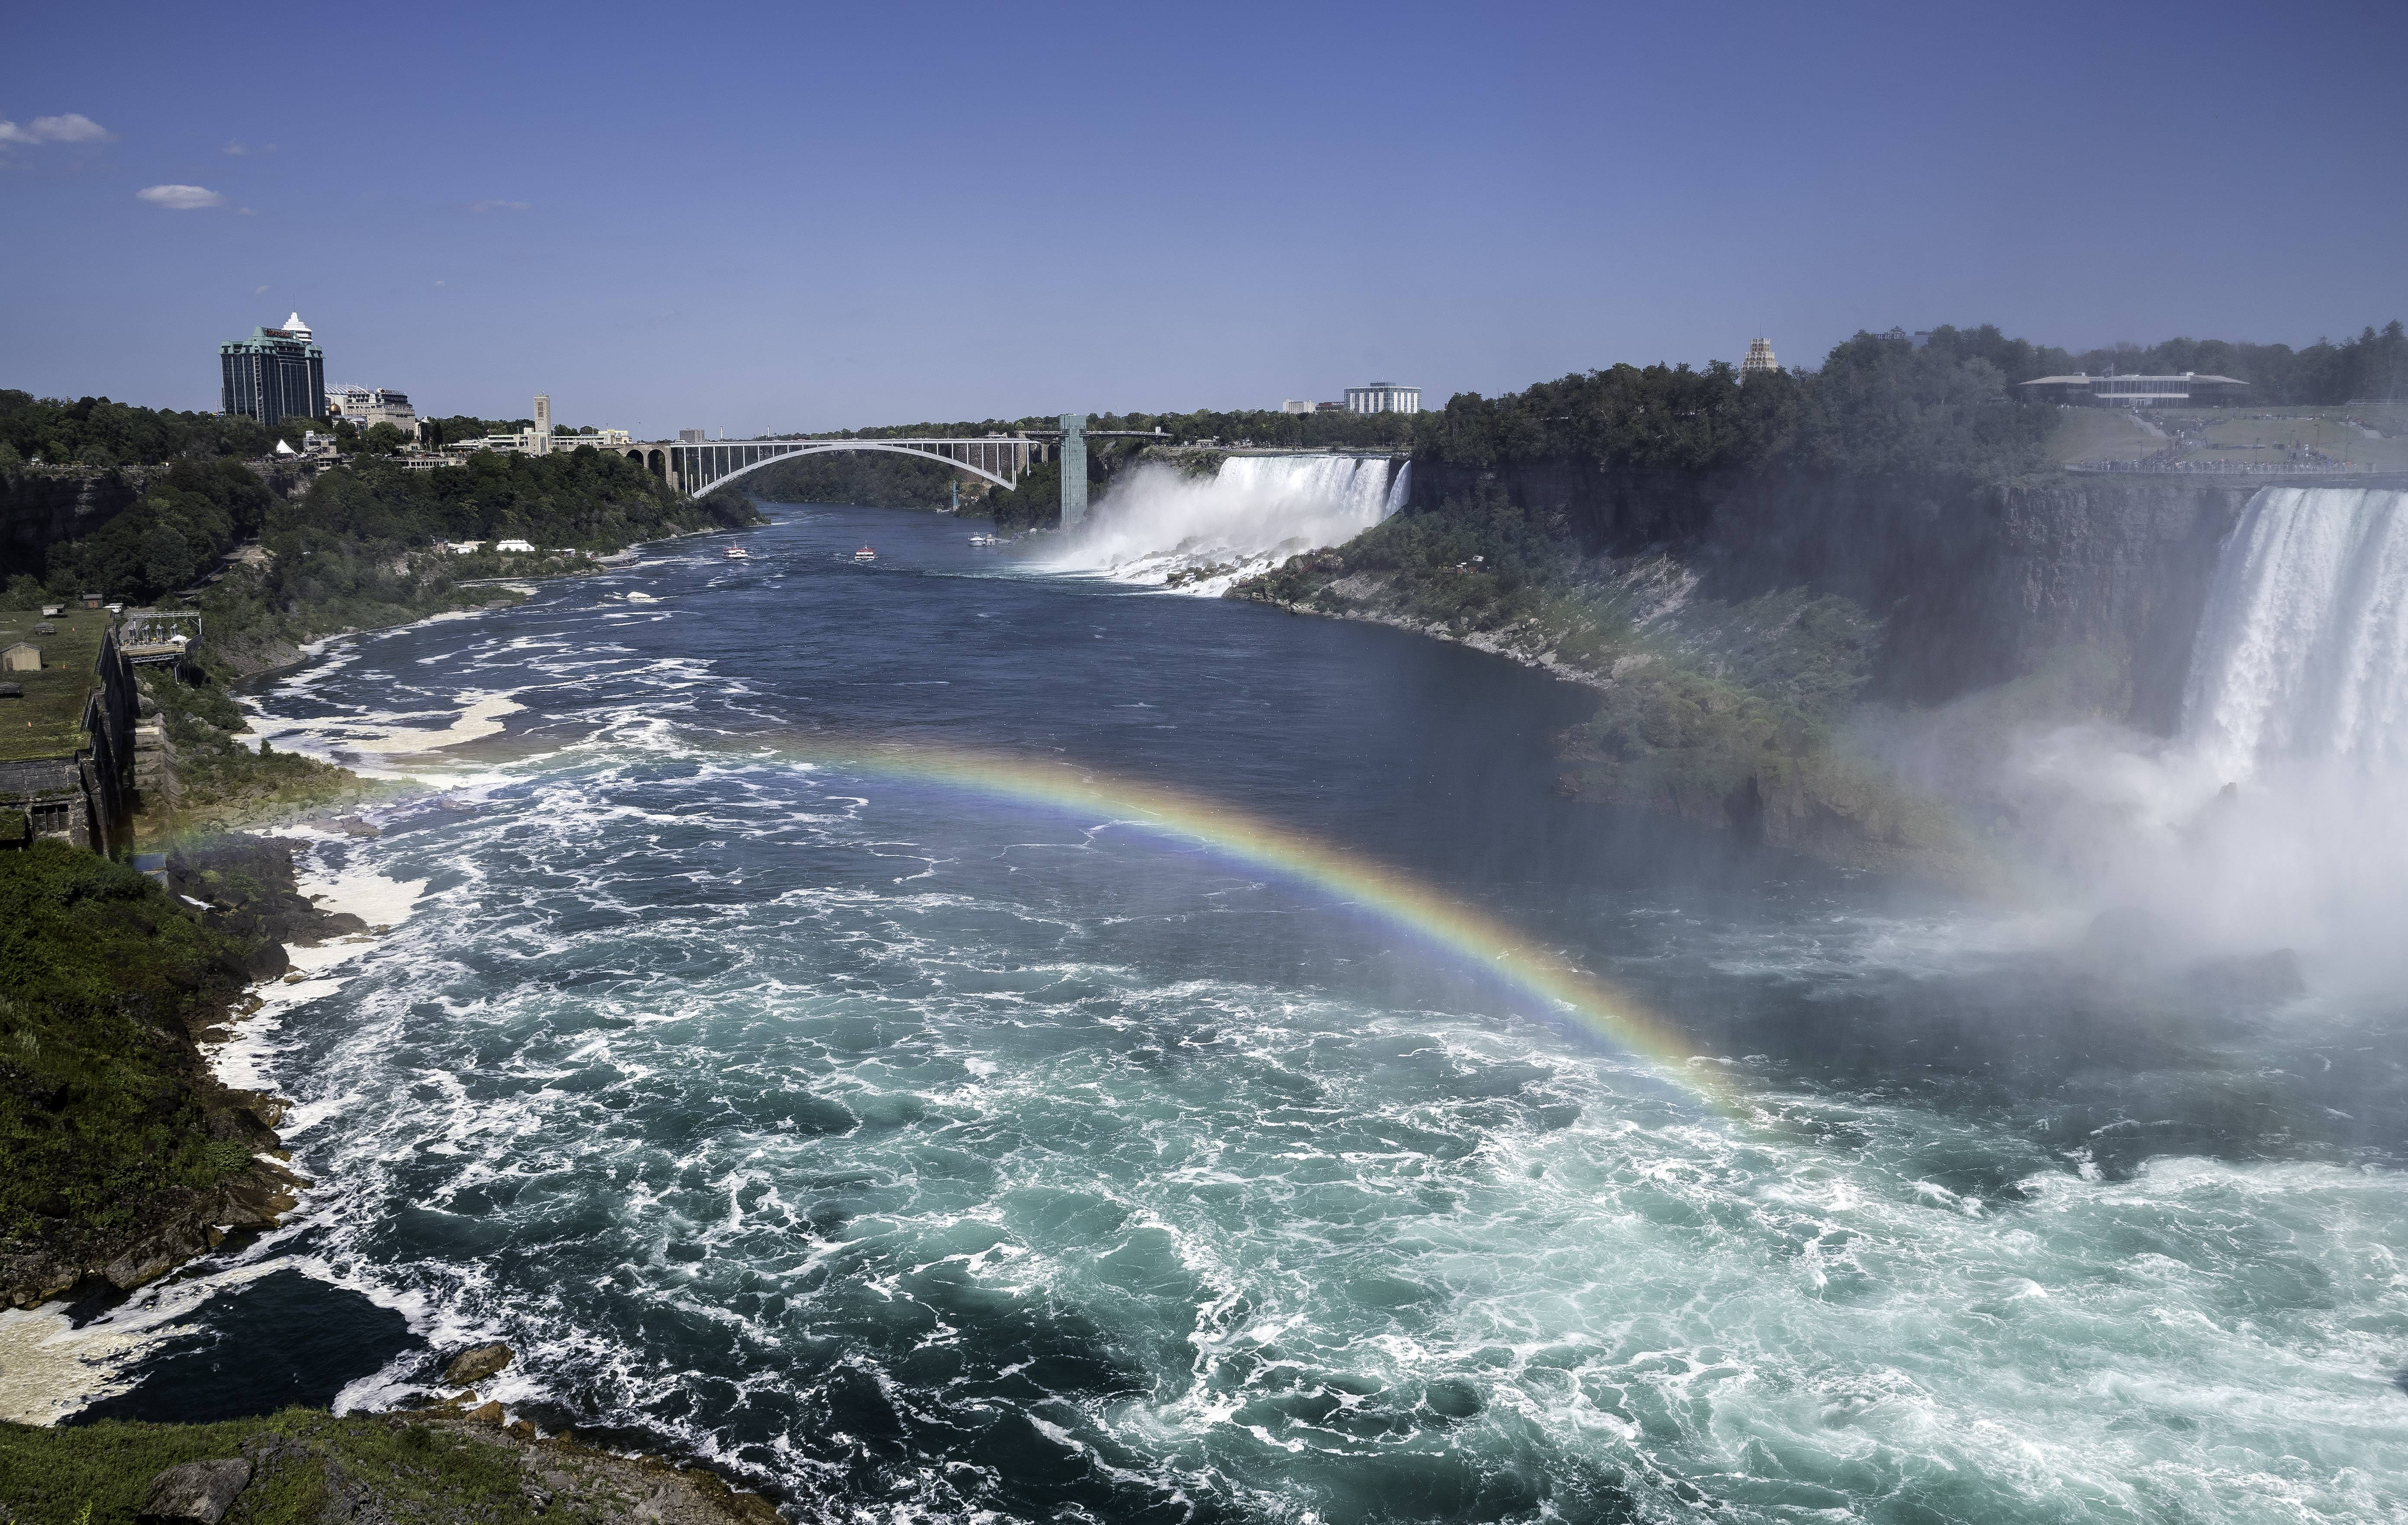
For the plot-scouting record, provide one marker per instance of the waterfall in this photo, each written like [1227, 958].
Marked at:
[2275, 819]
[2302, 652]
[1199, 534]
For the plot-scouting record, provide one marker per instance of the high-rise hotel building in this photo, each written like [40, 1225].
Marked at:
[274, 375]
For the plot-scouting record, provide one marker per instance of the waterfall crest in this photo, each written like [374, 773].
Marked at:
[1200, 534]
[2302, 652]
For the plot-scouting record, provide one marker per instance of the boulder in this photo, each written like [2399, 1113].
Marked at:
[199, 1491]
[476, 1365]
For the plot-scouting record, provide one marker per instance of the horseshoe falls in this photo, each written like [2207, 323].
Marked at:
[955, 1040]
[2304, 653]
[1162, 525]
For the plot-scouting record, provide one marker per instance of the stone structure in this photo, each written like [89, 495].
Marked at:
[1759, 360]
[82, 791]
[365, 407]
[2189, 389]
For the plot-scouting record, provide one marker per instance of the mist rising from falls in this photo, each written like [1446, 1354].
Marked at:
[2278, 817]
[1158, 524]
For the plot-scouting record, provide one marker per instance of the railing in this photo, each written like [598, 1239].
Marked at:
[2226, 468]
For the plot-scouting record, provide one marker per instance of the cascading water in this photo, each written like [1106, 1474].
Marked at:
[1206, 531]
[2302, 654]
[2273, 819]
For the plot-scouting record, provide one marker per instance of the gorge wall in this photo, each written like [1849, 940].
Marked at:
[42, 506]
[1976, 584]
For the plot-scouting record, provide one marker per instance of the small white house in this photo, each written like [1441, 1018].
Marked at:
[466, 548]
[23, 657]
[513, 545]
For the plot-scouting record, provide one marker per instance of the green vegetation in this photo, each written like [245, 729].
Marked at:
[1878, 407]
[2101, 433]
[97, 1475]
[225, 783]
[95, 432]
[2374, 365]
[170, 538]
[100, 1108]
[308, 1466]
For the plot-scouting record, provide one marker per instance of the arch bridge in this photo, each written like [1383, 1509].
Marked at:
[697, 467]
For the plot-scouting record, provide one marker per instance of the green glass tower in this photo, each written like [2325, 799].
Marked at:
[274, 375]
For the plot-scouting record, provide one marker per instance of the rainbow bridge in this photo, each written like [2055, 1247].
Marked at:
[696, 467]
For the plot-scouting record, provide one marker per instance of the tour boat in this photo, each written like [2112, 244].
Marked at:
[736, 553]
[984, 540]
[865, 554]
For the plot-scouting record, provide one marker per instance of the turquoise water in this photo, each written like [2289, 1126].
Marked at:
[920, 1152]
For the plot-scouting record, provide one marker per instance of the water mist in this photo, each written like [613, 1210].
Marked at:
[2275, 818]
[1159, 523]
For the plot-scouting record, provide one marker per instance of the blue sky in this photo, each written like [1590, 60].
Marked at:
[757, 217]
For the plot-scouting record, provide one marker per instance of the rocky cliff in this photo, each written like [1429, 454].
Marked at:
[42, 506]
[1975, 584]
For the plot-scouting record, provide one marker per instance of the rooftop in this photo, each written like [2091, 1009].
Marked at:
[49, 721]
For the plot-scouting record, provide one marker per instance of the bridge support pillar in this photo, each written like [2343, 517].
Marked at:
[1074, 468]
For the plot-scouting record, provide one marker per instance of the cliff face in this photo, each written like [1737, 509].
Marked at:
[1975, 584]
[40, 506]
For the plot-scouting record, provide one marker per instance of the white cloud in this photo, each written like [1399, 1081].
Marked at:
[181, 198]
[75, 127]
[258, 291]
[498, 206]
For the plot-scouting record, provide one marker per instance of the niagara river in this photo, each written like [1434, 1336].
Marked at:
[950, 1038]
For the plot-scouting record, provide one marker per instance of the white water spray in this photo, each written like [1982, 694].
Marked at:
[2302, 654]
[2279, 816]
[1255, 512]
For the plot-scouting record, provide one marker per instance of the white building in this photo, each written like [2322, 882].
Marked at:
[1296, 405]
[1384, 397]
[1759, 360]
[367, 407]
[541, 440]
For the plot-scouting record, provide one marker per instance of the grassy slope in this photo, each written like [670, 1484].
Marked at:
[308, 1466]
[101, 1109]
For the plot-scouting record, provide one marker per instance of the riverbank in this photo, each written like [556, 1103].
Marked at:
[301, 1464]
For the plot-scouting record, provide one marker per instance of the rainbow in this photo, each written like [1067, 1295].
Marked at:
[1562, 996]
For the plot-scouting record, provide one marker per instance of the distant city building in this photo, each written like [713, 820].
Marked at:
[1919, 338]
[365, 408]
[539, 439]
[690, 436]
[1759, 360]
[1294, 405]
[2189, 389]
[274, 375]
[1329, 407]
[1384, 397]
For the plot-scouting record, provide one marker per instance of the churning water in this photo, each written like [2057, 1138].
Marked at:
[1211, 529]
[932, 1147]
